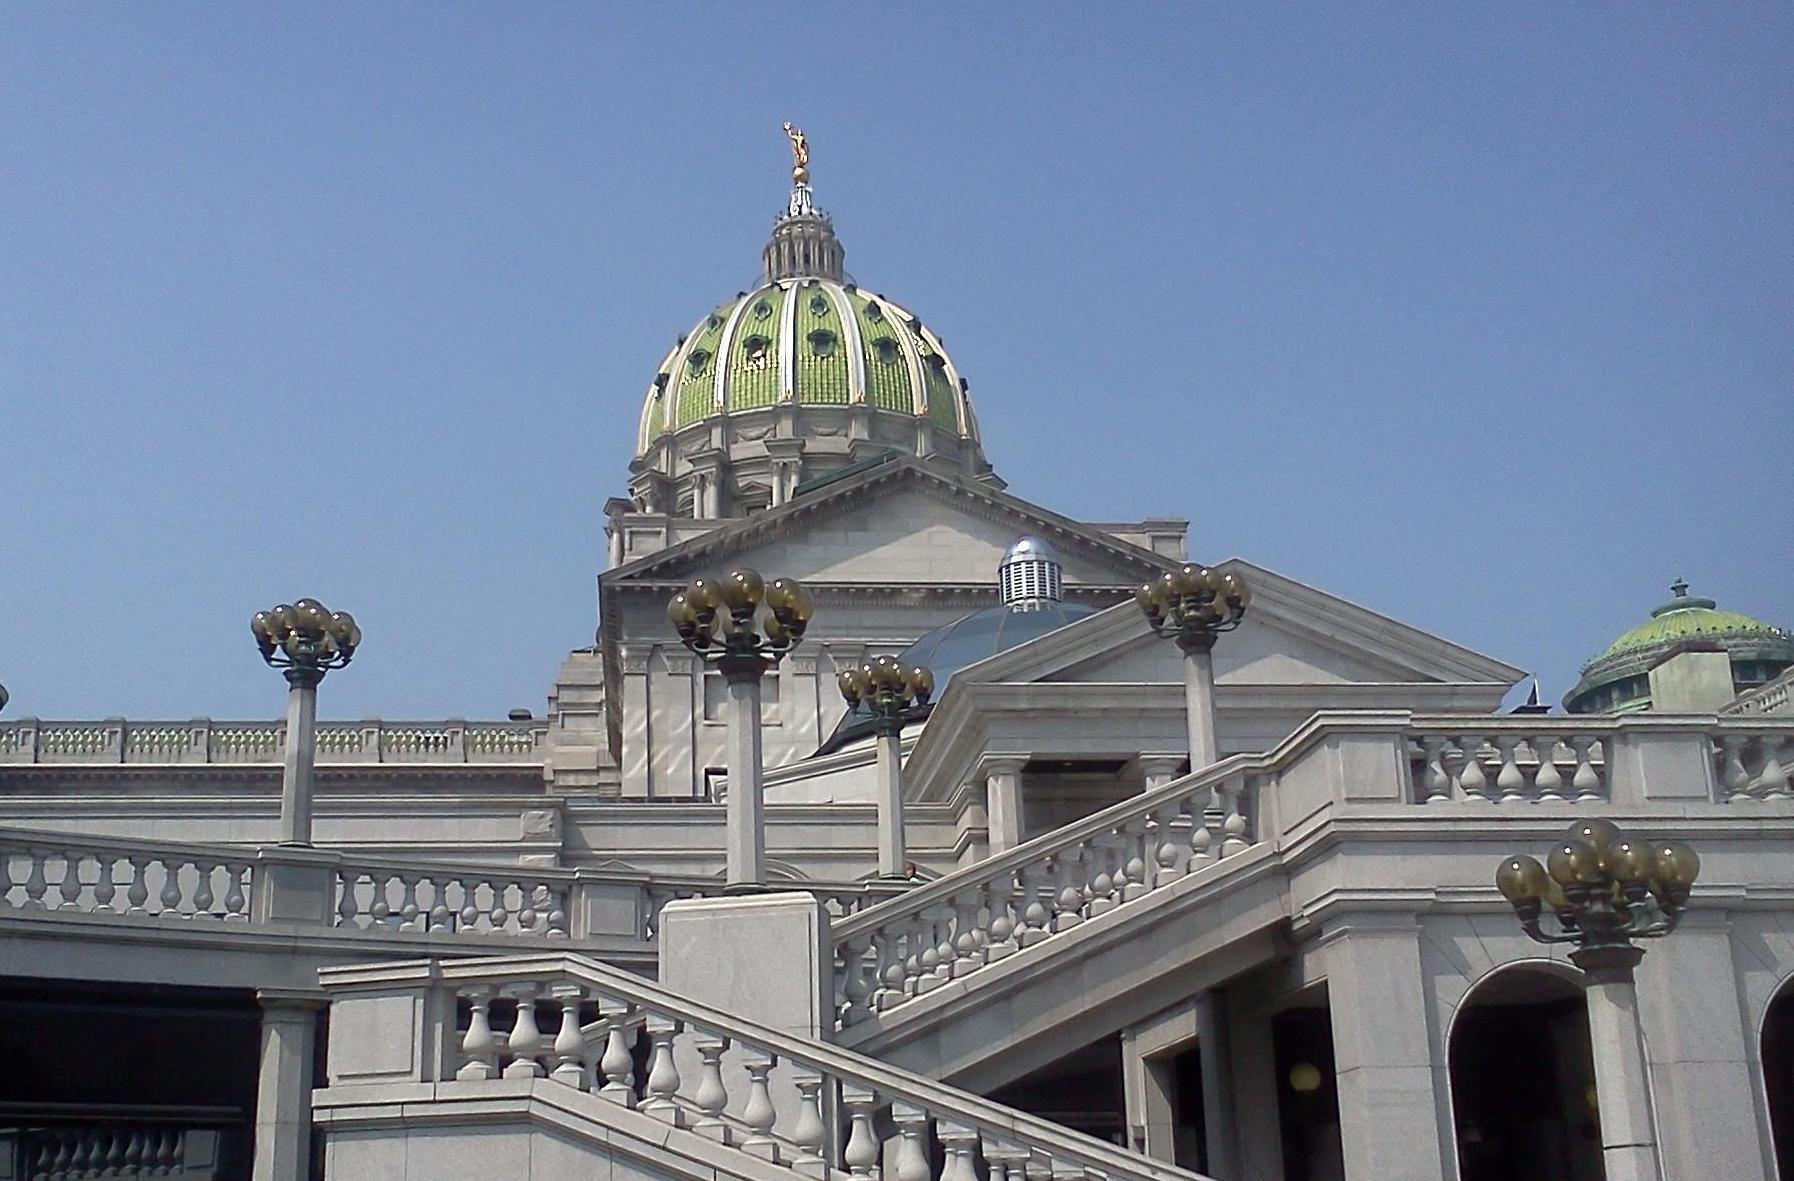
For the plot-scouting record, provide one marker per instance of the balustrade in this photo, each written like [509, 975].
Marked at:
[1509, 760]
[112, 1150]
[447, 899]
[621, 1040]
[903, 948]
[43, 872]
[1752, 764]
[205, 741]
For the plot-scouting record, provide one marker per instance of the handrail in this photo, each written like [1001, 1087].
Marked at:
[995, 1123]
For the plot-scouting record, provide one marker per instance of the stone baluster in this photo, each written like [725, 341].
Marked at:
[1772, 780]
[809, 1133]
[1008, 1160]
[1508, 780]
[860, 1153]
[525, 1042]
[556, 917]
[1000, 897]
[1037, 903]
[945, 950]
[961, 1145]
[36, 883]
[572, 1065]
[1585, 781]
[712, 1097]
[1473, 784]
[70, 885]
[1732, 774]
[65, 1151]
[1139, 852]
[1099, 891]
[168, 1151]
[1068, 911]
[500, 914]
[663, 1071]
[759, 1114]
[134, 1154]
[618, 1064]
[82, 1155]
[1233, 828]
[138, 895]
[470, 904]
[410, 901]
[202, 889]
[1165, 867]
[441, 919]
[856, 988]
[6, 882]
[1547, 778]
[171, 886]
[912, 1142]
[1433, 777]
[1202, 829]
[104, 888]
[888, 972]
[526, 908]
[380, 901]
[928, 952]
[479, 1045]
[968, 948]
[347, 907]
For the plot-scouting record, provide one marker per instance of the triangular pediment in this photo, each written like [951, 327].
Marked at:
[1293, 635]
[902, 524]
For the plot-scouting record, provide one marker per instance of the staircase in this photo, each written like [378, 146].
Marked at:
[556, 1066]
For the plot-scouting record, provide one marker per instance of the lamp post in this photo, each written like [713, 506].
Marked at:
[304, 640]
[1604, 890]
[720, 621]
[888, 691]
[1192, 605]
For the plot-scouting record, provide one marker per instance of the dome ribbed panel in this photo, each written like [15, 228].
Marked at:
[754, 383]
[697, 386]
[943, 394]
[821, 380]
[887, 380]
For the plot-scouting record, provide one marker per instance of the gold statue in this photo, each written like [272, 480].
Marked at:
[800, 155]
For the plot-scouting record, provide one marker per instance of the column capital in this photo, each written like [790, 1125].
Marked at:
[1001, 764]
[287, 1002]
[1154, 763]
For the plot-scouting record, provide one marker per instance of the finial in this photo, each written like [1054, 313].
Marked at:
[1679, 588]
[800, 155]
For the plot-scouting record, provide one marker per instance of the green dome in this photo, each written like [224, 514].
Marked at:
[806, 341]
[1618, 679]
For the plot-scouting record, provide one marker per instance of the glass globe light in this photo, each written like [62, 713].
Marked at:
[284, 618]
[923, 679]
[681, 614]
[1628, 861]
[848, 681]
[1521, 879]
[261, 625]
[743, 589]
[1598, 832]
[1574, 862]
[1305, 1078]
[777, 634]
[704, 595]
[1677, 865]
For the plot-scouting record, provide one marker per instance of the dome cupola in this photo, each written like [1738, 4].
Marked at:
[1618, 680]
[795, 379]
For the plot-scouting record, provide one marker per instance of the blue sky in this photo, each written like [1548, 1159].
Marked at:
[1479, 317]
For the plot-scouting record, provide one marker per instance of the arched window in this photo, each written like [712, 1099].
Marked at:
[1778, 1076]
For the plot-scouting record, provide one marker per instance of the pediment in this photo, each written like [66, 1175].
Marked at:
[903, 525]
[1293, 635]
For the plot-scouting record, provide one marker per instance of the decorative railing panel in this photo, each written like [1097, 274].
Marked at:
[84, 875]
[908, 946]
[1511, 759]
[623, 1041]
[1751, 762]
[202, 740]
[73, 1153]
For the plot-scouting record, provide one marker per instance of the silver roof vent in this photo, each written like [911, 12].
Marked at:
[1030, 575]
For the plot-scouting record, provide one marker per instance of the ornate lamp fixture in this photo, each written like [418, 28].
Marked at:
[721, 621]
[1606, 889]
[304, 640]
[1192, 605]
[888, 691]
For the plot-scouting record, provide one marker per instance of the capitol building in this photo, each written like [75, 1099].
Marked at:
[893, 827]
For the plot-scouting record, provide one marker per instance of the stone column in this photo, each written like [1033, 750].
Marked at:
[1156, 770]
[1003, 803]
[1622, 1086]
[1258, 1135]
[802, 703]
[283, 1085]
[1217, 1087]
[637, 724]
[893, 850]
[745, 839]
[1149, 1093]
[1199, 705]
[301, 755]
[1388, 1113]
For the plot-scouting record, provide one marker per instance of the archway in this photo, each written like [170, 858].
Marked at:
[1778, 1077]
[1523, 1080]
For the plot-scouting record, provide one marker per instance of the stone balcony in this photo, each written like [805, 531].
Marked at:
[31, 741]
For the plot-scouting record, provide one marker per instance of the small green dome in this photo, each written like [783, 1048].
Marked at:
[1618, 679]
[806, 340]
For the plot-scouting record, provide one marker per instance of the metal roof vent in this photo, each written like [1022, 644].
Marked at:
[1030, 576]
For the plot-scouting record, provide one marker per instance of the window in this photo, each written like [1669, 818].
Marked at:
[818, 305]
[696, 362]
[822, 343]
[762, 309]
[886, 350]
[758, 350]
